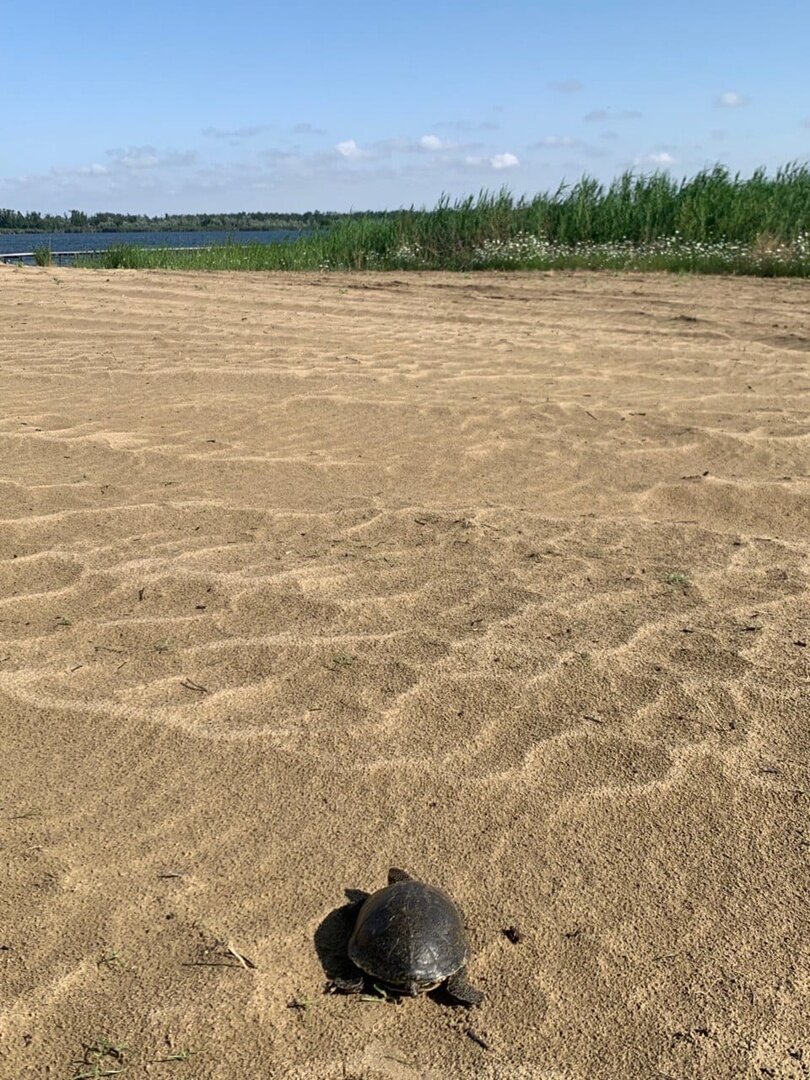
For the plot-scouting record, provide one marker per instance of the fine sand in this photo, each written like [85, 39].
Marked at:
[499, 578]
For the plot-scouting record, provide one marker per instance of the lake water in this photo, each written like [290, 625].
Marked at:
[61, 241]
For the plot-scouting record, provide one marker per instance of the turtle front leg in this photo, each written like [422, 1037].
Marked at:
[461, 990]
[356, 984]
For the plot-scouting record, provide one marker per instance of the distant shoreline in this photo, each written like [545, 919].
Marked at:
[269, 227]
[15, 221]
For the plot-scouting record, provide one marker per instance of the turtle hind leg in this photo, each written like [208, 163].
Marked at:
[395, 875]
[461, 990]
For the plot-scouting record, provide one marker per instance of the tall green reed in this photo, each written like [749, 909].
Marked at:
[714, 207]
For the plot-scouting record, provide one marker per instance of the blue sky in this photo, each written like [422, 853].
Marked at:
[165, 107]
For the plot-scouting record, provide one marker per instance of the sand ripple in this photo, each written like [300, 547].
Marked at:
[303, 576]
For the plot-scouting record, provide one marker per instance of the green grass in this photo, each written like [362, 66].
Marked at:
[103, 1058]
[678, 579]
[713, 222]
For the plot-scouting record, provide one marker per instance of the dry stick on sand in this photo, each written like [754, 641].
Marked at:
[243, 960]
[94, 1057]
[476, 1038]
[227, 950]
[181, 1055]
[189, 685]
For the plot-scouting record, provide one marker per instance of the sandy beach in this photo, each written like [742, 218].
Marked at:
[500, 578]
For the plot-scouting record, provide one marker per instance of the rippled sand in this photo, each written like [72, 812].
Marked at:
[500, 578]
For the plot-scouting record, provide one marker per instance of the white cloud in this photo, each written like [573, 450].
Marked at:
[566, 142]
[558, 140]
[598, 116]
[661, 160]
[468, 126]
[136, 157]
[178, 158]
[566, 86]
[234, 133]
[504, 161]
[279, 157]
[498, 161]
[384, 149]
[351, 151]
[77, 170]
[431, 142]
[730, 99]
[307, 129]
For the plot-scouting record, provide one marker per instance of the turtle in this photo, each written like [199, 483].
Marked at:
[409, 938]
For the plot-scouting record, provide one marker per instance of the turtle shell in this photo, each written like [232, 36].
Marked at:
[409, 936]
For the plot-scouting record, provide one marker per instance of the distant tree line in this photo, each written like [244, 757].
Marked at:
[78, 221]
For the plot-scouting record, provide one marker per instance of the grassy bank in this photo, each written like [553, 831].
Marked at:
[713, 222]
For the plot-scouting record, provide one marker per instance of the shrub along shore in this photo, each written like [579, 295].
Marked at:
[714, 222]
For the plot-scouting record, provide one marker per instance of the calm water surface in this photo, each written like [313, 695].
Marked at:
[61, 241]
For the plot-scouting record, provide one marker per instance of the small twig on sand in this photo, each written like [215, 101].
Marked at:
[243, 960]
[224, 951]
[209, 963]
[476, 1038]
[110, 960]
[181, 1055]
[189, 685]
